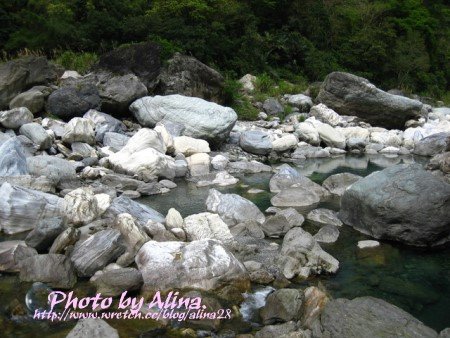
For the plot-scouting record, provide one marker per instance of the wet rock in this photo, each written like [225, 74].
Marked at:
[282, 306]
[203, 264]
[12, 253]
[280, 223]
[432, 145]
[45, 232]
[255, 142]
[79, 130]
[21, 209]
[37, 134]
[232, 208]
[206, 226]
[55, 270]
[16, 117]
[321, 217]
[12, 158]
[295, 197]
[370, 317]
[114, 281]
[248, 167]
[327, 234]
[415, 210]
[82, 206]
[338, 183]
[92, 328]
[202, 119]
[96, 252]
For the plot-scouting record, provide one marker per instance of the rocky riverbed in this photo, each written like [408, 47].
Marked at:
[141, 181]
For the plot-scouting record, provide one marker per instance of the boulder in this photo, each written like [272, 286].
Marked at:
[132, 232]
[91, 327]
[55, 270]
[326, 115]
[188, 146]
[306, 132]
[141, 213]
[187, 76]
[338, 183]
[327, 234]
[56, 126]
[321, 217]
[113, 282]
[104, 123]
[37, 134]
[33, 100]
[370, 317]
[284, 143]
[21, 209]
[256, 142]
[313, 304]
[392, 138]
[12, 158]
[305, 150]
[44, 233]
[282, 306]
[203, 264]
[348, 94]
[73, 101]
[329, 135]
[96, 252]
[115, 141]
[301, 197]
[232, 208]
[199, 164]
[16, 117]
[65, 239]
[248, 83]
[206, 226]
[280, 223]
[219, 162]
[272, 106]
[402, 203]
[12, 253]
[441, 162]
[20, 74]
[54, 168]
[81, 206]
[79, 130]
[300, 101]
[433, 144]
[201, 119]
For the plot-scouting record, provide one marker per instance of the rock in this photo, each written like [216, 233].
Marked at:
[189, 146]
[21, 209]
[247, 229]
[55, 270]
[81, 206]
[117, 92]
[306, 132]
[65, 239]
[92, 328]
[96, 252]
[198, 164]
[439, 161]
[302, 255]
[73, 101]
[284, 143]
[295, 197]
[313, 304]
[12, 253]
[56, 126]
[338, 183]
[330, 136]
[12, 158]
[280, 223]
[432, 145]
[222, 179]
[232, 208]
[370, 317]
[140, 212]
[248, 167]
[248, 83]
[56, 169]
[282, 306]
[386, 137]
[201, 119]
[16, 117]
[70, 74]
[113, 282]
[115, 140]
[104, 123]
[133, 234]
[327, 234]
[166, 137]
[280, 330]
[321, 217]
[20, 74]
[348, 94]
[45, 232]
[326, 115]
[41, 183]
[300, 101]
[203, 264]
[174, 219]
[206, 226]
[368, 244]
[219, 162]
[415, 210]
[305, 150]
[255, 142]
[32, 99]
[187, 76]
[272, 106]
[79, 130]
[37, 134]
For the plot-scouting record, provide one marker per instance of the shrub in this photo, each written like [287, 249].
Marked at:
[81, 62]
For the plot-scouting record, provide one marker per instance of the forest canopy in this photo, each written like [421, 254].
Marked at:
[401, 44]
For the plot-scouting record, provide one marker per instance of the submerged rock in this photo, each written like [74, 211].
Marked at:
[322, 216]
[338, 183]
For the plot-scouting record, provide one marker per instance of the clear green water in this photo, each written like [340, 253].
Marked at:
[415, 280]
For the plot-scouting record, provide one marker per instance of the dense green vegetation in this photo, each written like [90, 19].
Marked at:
[395, 43]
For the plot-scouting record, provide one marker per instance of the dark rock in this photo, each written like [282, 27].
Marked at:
[282, 306]
[402, 203]
[104, 123]
[272, 106]
[45, 232]
[280, 223]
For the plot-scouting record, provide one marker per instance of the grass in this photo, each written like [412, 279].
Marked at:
[446, 99]
[239, 102]
[80, 62]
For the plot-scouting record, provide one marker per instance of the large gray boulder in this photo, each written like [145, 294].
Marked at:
[256, 142]
[232, 208]
[32, 99]
[349, 94]
[402, 203]
[201, 119]
[203, 264]
[54, 168]
[21, 209]
[16, 76]
[15, 118]
[37, 134]
[282, 306]
[280, 223]
[433, 144]
[187, 76]
[12, 158]
[73, 101]
[370, 317]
